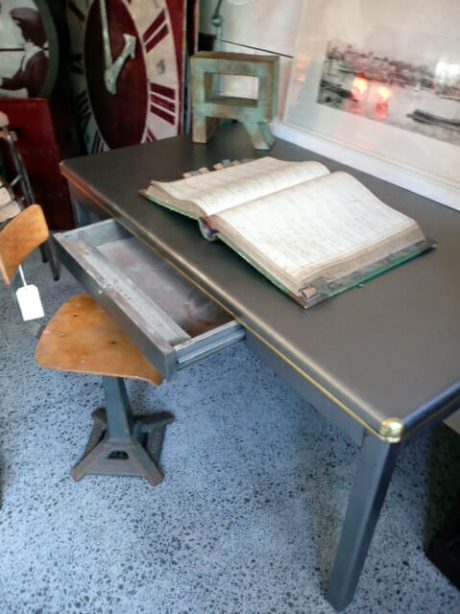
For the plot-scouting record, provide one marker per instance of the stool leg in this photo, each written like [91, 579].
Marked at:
[121, 444]
[260, 134]
[49, 256]
[99, 428]
[119, 415]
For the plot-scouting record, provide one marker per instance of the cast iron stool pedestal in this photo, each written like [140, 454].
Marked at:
[121, 444]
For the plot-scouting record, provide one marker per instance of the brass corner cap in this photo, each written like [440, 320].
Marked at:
[392, 430]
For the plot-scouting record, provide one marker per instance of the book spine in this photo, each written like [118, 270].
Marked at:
[207, 229]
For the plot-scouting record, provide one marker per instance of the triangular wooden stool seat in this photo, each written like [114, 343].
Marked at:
[81, 338]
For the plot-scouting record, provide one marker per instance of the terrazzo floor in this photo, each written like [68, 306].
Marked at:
[246, 520]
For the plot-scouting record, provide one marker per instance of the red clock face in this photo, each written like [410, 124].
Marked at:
[121, 115]
[126, 69]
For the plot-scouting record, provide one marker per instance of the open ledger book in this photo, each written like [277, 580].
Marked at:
[311, 232]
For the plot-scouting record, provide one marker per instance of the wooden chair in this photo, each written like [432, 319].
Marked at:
[81, 338]
[20, 184]
[19, 238]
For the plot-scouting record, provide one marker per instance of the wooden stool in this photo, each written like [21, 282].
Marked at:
[81, 338]
[209, 105]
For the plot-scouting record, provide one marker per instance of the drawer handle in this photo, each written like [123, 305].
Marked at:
[192, 351]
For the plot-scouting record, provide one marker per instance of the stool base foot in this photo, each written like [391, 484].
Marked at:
[135, 454]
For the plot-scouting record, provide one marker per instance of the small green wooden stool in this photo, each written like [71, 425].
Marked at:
[209, 106]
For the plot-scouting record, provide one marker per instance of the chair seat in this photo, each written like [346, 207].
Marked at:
[82, 338]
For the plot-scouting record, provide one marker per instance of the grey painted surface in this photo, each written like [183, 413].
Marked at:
[390, 349]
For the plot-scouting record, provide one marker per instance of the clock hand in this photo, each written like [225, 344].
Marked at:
[111, 74]
[105, 35]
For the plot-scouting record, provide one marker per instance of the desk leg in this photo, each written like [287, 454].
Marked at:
[375, 468]
[80, 215]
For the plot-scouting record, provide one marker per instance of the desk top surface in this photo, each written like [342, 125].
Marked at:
[388, 349]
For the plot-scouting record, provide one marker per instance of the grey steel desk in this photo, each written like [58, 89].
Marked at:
[382, 361]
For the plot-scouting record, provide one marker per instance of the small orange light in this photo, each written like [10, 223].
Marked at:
[384, 93]
[360, 84]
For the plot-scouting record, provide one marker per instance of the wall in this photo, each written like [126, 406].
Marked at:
[262, 26]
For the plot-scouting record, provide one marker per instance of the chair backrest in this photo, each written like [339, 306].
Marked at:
[19, 238]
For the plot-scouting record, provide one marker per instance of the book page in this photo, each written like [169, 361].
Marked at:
[299, 232]
[218, 190]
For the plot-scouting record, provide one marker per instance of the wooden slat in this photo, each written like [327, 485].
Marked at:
[81, 338]
[19, 238]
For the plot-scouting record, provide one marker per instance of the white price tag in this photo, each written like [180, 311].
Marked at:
[30, 303]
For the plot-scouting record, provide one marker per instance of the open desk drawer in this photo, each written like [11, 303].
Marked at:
[172, 322]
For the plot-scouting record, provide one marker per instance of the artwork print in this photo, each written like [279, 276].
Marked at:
[400, 85]
[24, 49]
[377, 85]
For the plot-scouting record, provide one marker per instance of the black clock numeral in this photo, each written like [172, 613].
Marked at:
[163, 102]
[97, 145]
[83, 108]
[76, 11]
[76, 63]
[156, 32]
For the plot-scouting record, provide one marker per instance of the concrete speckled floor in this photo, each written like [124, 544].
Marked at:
[247, 517]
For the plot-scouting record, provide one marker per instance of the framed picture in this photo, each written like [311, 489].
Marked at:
[29, 49]
[378, 83]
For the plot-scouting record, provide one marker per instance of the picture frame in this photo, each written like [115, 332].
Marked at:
[377, 86]
[33, 24]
